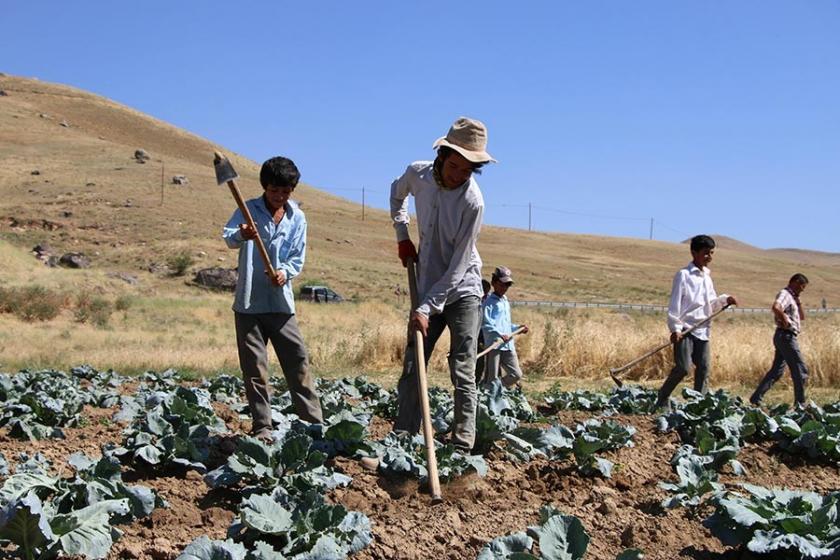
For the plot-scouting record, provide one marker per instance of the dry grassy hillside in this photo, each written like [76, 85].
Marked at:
[90, 195]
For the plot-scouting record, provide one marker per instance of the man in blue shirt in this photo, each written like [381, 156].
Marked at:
[496, 324]
[264, 307]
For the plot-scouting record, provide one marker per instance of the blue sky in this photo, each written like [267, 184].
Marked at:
[709, 117]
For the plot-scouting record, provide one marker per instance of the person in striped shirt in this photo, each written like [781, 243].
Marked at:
[789, 314]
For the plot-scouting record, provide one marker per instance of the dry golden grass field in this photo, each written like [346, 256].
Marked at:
[68, 178]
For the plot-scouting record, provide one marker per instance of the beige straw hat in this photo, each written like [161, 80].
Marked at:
[468, 137]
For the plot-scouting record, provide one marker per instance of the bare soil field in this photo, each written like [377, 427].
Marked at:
[618, 513]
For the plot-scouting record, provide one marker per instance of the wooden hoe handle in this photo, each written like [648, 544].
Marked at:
[237, 196]
[614, 372]
[423, 390]
[498, 342]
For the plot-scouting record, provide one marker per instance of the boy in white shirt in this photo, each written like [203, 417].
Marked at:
[693, 299]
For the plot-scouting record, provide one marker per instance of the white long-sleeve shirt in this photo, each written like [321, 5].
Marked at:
[693, 299]
[449, 221]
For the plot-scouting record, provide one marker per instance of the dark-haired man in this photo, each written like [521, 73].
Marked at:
[264, 307]
[449, 209]
[789, 314]
[693, 299]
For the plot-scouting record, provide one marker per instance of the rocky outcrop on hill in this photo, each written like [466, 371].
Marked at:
[74, 260]
[141, 155]
[217, 278]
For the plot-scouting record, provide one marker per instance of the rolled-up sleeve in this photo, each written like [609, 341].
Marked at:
[231, 233]
[675, 310]
[464, 245]
[400, 189]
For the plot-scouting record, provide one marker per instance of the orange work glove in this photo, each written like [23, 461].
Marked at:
[406, 251]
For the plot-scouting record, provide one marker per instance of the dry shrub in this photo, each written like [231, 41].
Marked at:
[31, 303]
[180, 263]
[93, 309]
[123, 303]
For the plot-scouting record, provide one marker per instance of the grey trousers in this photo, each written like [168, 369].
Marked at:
[505, 361]
[462, 319]
[687, 351]
[787, 352]
[253, 332]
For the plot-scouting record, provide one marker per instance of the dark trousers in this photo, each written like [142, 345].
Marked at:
[787, 352]
[480, 362]
[462, 319]
[253, 332]
[689, 350]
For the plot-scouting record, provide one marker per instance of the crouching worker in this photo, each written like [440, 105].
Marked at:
[496, 324]
[789, 314]
[264, 308]
[449, 208]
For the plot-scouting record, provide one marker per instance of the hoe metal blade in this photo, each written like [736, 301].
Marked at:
[224, 170]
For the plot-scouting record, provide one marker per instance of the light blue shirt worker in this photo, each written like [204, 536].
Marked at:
[285, 243]
[496, 321]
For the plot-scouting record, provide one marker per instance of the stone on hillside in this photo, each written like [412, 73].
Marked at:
[42, 250]
[217, 278]
[74, 260]
[129, 279]
[35, 172]
[180, 180]
[159, 268]
[64, 123]
[3, 93]
[141, 155]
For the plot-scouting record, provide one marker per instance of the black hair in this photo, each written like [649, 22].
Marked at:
[445, 151]
[701, 242]
[486, 286]
[798, 278]
[279, 172]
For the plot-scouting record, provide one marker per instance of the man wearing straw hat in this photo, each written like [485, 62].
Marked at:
[449, 209]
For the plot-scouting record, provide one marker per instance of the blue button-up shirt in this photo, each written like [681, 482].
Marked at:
[286, 246]
[496, 321]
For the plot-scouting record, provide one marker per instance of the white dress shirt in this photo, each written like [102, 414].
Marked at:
[449, 220]
[693, 299]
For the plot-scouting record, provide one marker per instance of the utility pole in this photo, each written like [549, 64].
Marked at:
[161, 182]
[651, 229]
[529, 216]
[363, 204]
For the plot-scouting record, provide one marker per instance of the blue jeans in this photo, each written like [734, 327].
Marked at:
[787, 352]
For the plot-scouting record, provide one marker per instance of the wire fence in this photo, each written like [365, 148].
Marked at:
[644, 307]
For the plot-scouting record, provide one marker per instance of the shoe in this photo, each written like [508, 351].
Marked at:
[662, 408]
[264, 435]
